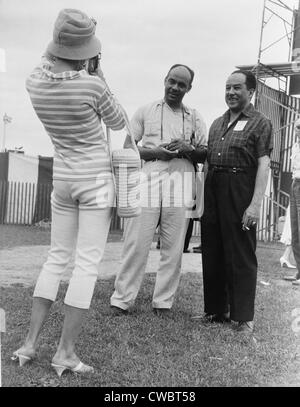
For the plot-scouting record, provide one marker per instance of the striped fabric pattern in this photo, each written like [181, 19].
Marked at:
[25, 188]
[71, 106]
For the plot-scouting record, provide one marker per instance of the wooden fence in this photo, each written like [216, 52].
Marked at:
[271, 211]
[23, 203]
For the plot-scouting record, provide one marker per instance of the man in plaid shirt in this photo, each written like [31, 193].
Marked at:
[239, 147]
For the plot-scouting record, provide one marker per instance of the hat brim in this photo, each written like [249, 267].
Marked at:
[75, 53]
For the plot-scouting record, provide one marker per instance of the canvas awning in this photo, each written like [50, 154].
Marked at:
[274, 70]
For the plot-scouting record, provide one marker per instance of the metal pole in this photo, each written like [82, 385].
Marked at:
[260, 52]
[262, 33]
[292, 35]
[4, 137]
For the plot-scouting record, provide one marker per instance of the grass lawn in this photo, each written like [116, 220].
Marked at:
[12, 236]
[142, 349]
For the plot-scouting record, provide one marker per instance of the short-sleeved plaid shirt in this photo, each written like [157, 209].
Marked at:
[241, 143]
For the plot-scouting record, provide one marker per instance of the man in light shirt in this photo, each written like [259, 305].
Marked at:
[173, 140]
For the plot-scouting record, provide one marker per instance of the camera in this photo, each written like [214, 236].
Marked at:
[93, 64]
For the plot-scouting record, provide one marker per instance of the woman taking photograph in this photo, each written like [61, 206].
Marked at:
[70, 102]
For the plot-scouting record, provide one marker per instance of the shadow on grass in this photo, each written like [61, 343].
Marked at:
[12, 236]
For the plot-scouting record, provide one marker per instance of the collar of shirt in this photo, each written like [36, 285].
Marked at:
[186, 109]
[248, 111]
[64, 75]
[46, 65]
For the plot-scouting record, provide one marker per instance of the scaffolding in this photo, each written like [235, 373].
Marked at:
[284, 14]
[274, 100]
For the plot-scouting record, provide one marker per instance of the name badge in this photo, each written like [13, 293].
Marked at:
[240, 126]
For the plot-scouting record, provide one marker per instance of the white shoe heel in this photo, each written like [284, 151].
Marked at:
[81, 368]
[21, 358]
[286, 263]
[59, 369]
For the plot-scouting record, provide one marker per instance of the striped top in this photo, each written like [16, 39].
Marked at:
[71, 106]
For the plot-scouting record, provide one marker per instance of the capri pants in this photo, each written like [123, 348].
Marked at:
[81, 215]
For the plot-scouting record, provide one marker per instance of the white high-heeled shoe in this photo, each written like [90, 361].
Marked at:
[21, 358]
[285, 263]
[81, 368]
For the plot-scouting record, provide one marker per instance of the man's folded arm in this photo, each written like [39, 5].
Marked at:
[198, 155]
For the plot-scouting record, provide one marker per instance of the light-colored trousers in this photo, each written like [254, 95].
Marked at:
[295, 221]
[79, 221]
[165, 202]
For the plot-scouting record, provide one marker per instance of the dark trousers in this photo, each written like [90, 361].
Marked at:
[228, 252]
[188, 234]
[295, 222]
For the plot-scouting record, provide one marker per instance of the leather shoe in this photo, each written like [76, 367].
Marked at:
[197, 249]
[297, 282]
[219, 318]
[118, 312]
[161, 312]
[213, 318]
[245, 327]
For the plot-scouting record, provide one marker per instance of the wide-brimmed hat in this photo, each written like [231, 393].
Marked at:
[74, 36]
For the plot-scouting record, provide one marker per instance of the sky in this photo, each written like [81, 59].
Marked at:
[141, 39]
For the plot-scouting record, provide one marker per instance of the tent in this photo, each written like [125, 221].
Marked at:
[25, 188]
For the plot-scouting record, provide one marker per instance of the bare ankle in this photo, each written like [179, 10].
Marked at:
[65, 354]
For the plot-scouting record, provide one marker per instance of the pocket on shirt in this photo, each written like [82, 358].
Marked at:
[152, 129]
[238, 140]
